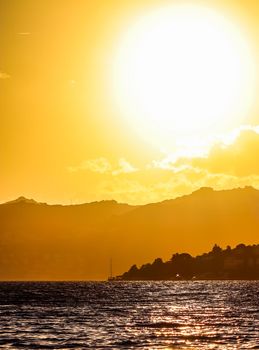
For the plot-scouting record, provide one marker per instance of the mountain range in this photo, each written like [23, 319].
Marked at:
[75, 242]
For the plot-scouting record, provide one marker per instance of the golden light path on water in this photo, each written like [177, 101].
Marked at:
[128, 315]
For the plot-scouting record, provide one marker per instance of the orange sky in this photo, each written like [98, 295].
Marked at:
[62, 137]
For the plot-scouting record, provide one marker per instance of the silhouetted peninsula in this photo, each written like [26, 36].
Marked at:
[240, 263]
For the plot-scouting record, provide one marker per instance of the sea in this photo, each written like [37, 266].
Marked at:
[129, 315]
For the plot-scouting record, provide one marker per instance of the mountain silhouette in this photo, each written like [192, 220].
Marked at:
[61, 242]
[22, 199]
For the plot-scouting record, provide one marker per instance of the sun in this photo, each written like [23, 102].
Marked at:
[183, 71]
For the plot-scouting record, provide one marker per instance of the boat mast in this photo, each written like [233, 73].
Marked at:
[111, 268]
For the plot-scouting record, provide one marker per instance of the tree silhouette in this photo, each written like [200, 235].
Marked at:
[241, 262]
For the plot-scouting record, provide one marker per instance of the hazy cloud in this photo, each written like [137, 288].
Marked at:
[124, 167]
[137, 190]
[232, 162]
[234, 153]
[4, 75]
[239, 158]
[103, 166]
[99, 165]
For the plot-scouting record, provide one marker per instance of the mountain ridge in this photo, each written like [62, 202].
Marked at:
[23, 199]
[76, 241]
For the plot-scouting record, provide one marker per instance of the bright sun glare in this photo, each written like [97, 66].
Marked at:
[183, 71]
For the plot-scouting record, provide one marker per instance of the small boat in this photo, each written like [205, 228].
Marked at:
[112, 278]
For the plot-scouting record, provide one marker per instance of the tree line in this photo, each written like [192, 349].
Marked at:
[241, 262]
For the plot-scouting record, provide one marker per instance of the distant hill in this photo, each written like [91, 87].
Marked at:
[41, 241]
[22, 200]
[240, 263]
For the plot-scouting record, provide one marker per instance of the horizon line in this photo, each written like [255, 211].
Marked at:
[33, 201]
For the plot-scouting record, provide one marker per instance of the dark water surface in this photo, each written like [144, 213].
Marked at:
[129, 315]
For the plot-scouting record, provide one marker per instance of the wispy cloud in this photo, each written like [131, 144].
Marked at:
[124, 167]
[104, 166]
[239, 158]
[4, 75]
[24, 33]
[99, 165]
[231, 162]
[236, 149]
[139, 190]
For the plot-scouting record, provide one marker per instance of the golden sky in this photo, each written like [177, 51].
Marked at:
[63, 136]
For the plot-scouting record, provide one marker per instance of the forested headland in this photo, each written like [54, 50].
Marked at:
[241, 263]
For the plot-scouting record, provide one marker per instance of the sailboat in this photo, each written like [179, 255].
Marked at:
[111, 278]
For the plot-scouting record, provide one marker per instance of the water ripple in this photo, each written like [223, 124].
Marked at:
[129, 315]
